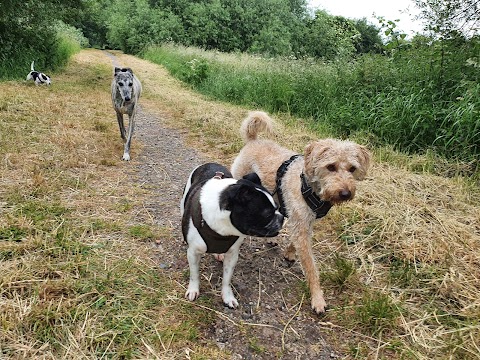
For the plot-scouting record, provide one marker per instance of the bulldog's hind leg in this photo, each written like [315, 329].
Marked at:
[196, 248]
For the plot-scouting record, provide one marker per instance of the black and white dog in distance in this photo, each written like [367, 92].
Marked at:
[218, 212]
[37, 76]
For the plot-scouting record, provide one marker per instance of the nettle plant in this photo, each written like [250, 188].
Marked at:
[196, 71]
[395, 38]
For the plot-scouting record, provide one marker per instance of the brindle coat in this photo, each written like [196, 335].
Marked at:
[126, 90]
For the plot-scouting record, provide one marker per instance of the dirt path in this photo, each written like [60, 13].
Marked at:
[273, 321]
[267, 288]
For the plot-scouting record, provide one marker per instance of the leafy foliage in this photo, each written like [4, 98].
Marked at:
[28, 33]
[448, 18]
[271, 27]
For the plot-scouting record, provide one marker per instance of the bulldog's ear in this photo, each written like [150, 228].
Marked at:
[253, 177]
[127, 70]
[117, 70]
[243, 193]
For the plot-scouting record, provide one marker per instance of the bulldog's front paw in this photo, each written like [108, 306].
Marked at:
[192, 292]
[229, 299]
[219, 257]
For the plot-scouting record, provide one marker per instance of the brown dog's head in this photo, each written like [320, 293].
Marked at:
[333, 166]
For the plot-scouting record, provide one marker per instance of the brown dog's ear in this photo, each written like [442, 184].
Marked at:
[312, 153]
[363, 156]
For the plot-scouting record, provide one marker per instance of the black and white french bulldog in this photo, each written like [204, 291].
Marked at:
[218, 212]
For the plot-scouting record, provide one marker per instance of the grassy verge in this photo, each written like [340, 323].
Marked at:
[384, 101]
[50, 48]
[77, 278]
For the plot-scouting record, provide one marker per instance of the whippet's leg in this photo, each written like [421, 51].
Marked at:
[131, 126]
[121, 126]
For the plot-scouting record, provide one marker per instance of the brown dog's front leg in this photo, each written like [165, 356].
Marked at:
[302, 238]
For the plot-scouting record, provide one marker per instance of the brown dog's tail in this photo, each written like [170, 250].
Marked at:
[254, 123]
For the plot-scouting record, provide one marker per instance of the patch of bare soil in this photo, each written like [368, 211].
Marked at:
[272, 321]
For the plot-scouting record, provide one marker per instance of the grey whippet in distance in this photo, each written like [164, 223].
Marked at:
[126, 90]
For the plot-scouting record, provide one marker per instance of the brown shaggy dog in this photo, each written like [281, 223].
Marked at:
[328, 169]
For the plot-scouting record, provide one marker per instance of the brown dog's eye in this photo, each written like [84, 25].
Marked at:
[331, 167]
[352, 169]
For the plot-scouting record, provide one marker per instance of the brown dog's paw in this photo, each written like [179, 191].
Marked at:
[289, 262]
[319, 305]
[290, 253]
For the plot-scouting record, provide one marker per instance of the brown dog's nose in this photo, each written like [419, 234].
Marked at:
[345, 194]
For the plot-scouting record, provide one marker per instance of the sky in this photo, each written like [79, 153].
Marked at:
[357, 9]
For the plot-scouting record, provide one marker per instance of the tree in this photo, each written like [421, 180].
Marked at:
[92, 20]
[203, 24]
[329, 37]
[369, 40]
[134, 25]
[272, 40]
[446, 17]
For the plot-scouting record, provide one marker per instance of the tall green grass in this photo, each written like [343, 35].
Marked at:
[405, 101]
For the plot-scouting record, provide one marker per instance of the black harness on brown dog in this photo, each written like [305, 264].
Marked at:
[318, 206]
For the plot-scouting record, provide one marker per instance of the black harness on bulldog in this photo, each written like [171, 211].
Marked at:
[216, 243]
[318, 206]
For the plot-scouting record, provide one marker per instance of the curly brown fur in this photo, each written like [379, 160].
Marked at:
[332, 168]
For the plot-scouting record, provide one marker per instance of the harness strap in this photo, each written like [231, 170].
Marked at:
[318, 206]
[216, 243]
[278, 184]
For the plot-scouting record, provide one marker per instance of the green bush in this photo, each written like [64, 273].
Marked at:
[33, 31]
